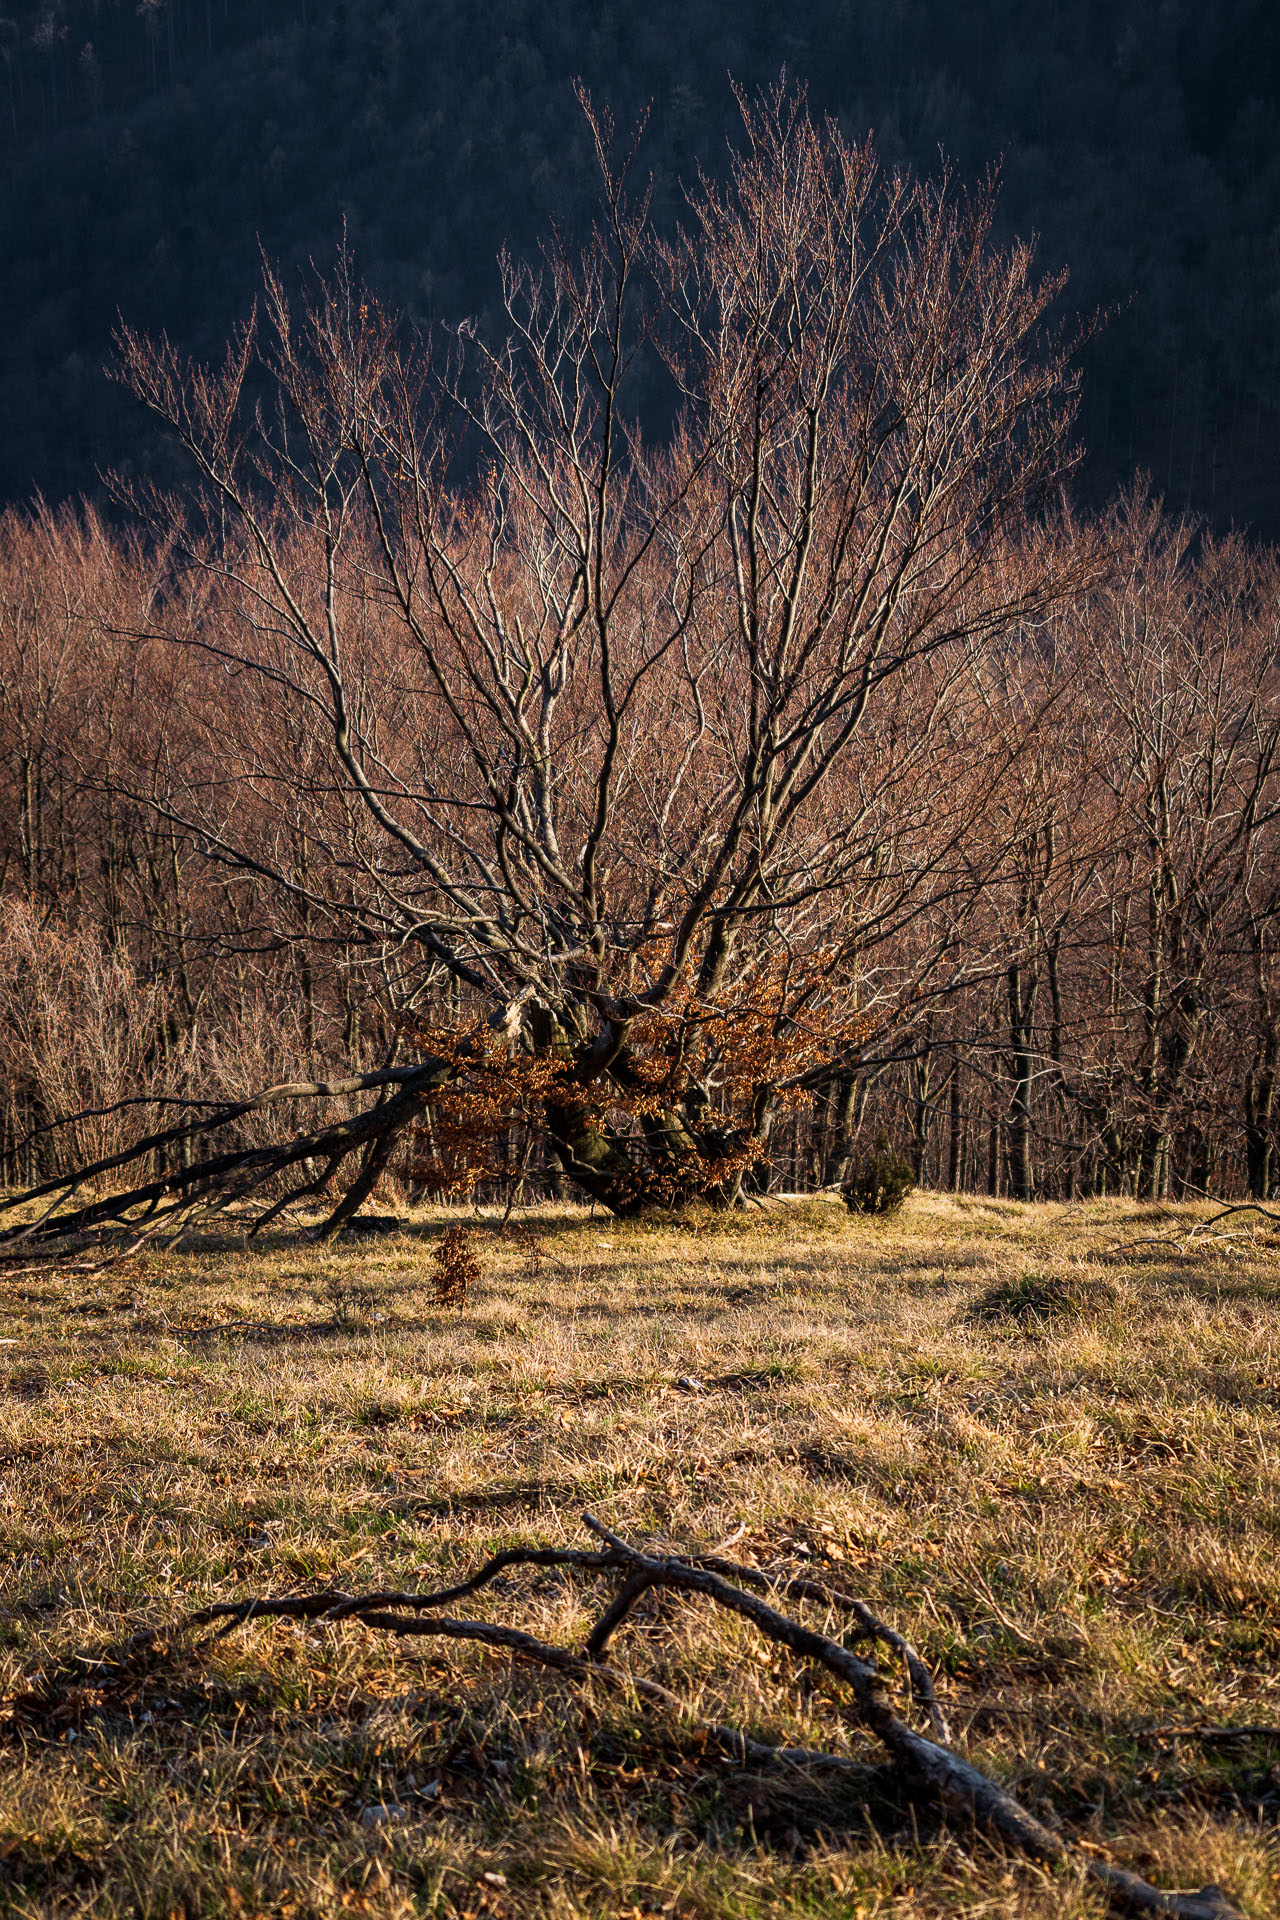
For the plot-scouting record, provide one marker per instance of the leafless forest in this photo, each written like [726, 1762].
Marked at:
[455, 781]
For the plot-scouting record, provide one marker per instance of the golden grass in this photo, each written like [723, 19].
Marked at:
[1042, 1445]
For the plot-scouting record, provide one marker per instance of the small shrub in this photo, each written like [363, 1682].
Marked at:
[457, 1267]
[878, 1181]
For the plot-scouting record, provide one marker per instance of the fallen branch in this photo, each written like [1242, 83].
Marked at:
[80, 1270]
[225, 1178]
[1183, 1240]
[929, 1768]
[225, 1112]
[1243, 1206]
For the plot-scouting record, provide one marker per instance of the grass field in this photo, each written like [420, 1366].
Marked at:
[1044, 1443]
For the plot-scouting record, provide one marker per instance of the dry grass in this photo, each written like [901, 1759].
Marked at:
[1051, 1463]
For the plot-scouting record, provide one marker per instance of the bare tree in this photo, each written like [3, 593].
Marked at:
[635, 745]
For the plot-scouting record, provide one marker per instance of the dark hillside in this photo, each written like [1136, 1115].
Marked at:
[144, 149]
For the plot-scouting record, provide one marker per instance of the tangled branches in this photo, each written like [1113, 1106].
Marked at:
[929, 1767]
[170, 1200]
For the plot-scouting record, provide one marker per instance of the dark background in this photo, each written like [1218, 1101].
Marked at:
[145, 149]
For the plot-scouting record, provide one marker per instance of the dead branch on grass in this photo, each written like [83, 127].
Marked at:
[1242, 1206]
[79, 1270]
[1182, 1241]
[929, 1768]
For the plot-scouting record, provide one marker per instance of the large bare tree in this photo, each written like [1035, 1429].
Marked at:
[634, 748]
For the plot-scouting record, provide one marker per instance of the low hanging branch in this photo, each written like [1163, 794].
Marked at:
[929, 1767]
[614, 1120]
[171, 1198]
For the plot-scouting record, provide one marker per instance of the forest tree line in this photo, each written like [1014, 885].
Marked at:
[699, 808]
[146, 150]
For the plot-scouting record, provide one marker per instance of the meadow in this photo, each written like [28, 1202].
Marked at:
[1043, 1442]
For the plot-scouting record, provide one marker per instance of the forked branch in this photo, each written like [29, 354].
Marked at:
[929, 1768]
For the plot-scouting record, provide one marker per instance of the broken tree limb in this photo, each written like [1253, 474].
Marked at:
[219, 1180]
[798, 1588]
[936, 1770]
[930, 1769]
[1242, 1206]
[1183, 1241]
[334, 1606]
[226, 1113]
[737, 1744]
[340, 1606]
[234, 1175]
[804, 1588]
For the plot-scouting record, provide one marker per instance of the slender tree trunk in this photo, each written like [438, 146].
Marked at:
[1260, 1115]
[921, 1118]
[1022, 986]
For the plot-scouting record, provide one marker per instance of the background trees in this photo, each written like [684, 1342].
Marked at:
[146, 150]
[659, 812]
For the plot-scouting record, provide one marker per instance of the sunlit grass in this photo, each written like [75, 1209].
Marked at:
[1043, 1442]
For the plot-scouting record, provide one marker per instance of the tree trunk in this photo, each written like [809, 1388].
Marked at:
[955, 1117]
[1022, 987]
[1260, 1115]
